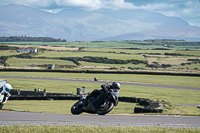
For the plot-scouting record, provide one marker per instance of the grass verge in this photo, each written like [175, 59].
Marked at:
[140, 78]
[93, 129]
[64, 107]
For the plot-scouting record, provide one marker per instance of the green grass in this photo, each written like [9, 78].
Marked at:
[135, 44]
[195, 53]
[59, 106]
[189, 81]
[126, 50]
[154, 93]
[192, 66]
[93, 129]
[33, 43]
[172, 60]
[100, 65]
[175, 109]
[93, 54]
[8, 53]
[56, 107]
[64, 107]
[21, 62]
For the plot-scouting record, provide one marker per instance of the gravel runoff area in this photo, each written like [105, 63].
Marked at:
[28, 118]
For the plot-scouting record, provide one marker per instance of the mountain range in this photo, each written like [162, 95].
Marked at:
[105, 25]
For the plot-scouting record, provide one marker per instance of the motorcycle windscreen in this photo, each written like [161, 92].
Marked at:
[115, 92]
[2, 82]
[1, 97]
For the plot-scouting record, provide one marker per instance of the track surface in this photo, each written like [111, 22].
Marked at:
[103, 81]
[27, 118]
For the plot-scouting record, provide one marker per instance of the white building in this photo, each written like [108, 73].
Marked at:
[27, 50]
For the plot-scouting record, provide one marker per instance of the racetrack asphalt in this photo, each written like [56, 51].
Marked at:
[104, 81]
[28, 118]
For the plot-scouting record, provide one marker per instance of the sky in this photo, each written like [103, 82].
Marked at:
[188, 10]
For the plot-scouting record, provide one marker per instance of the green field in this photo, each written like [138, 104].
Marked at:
[192, 66]
[176, 61]
[189, 81]
[64, 107]
[23, 62]
[94, 54]
[151, 54]
[93, 129]
[112, 50]
[195, 53]
[89, 65]
[60, 106]
[178, 45]
[8, 53]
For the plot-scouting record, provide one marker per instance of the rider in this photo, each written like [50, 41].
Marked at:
[105, 88]
[6, 89]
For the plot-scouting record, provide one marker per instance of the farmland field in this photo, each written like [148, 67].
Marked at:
[100, 65]
[133, 51]
[8, 53]
[161, 59]
[178, 45]
[94, 54]
[160, 56]
[195, 52]
[20, 62]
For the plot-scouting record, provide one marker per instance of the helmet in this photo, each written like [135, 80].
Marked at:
[116, 85]
[7, 87]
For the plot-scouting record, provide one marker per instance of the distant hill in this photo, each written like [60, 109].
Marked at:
[188, 33]
[77, 24]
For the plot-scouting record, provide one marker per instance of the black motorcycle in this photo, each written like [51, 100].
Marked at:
[101, 104]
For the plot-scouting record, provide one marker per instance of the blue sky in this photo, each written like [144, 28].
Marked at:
[188, 10]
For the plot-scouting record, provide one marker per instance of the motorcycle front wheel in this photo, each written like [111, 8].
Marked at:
[76, 109]
[105, 107]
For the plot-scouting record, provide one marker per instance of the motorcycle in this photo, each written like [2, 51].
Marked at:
[4, 92]
[100, 104]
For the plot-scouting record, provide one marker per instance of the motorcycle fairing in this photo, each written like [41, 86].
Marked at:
[101, 98]
[1, 98]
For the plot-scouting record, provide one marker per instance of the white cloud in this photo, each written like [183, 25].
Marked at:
[116, 4]
[91, 4]
[185, 9]
[54, 11]
[32, 3]
[157, 6]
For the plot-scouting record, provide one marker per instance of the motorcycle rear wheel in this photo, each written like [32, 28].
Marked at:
[105, 107]
[76, 109]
